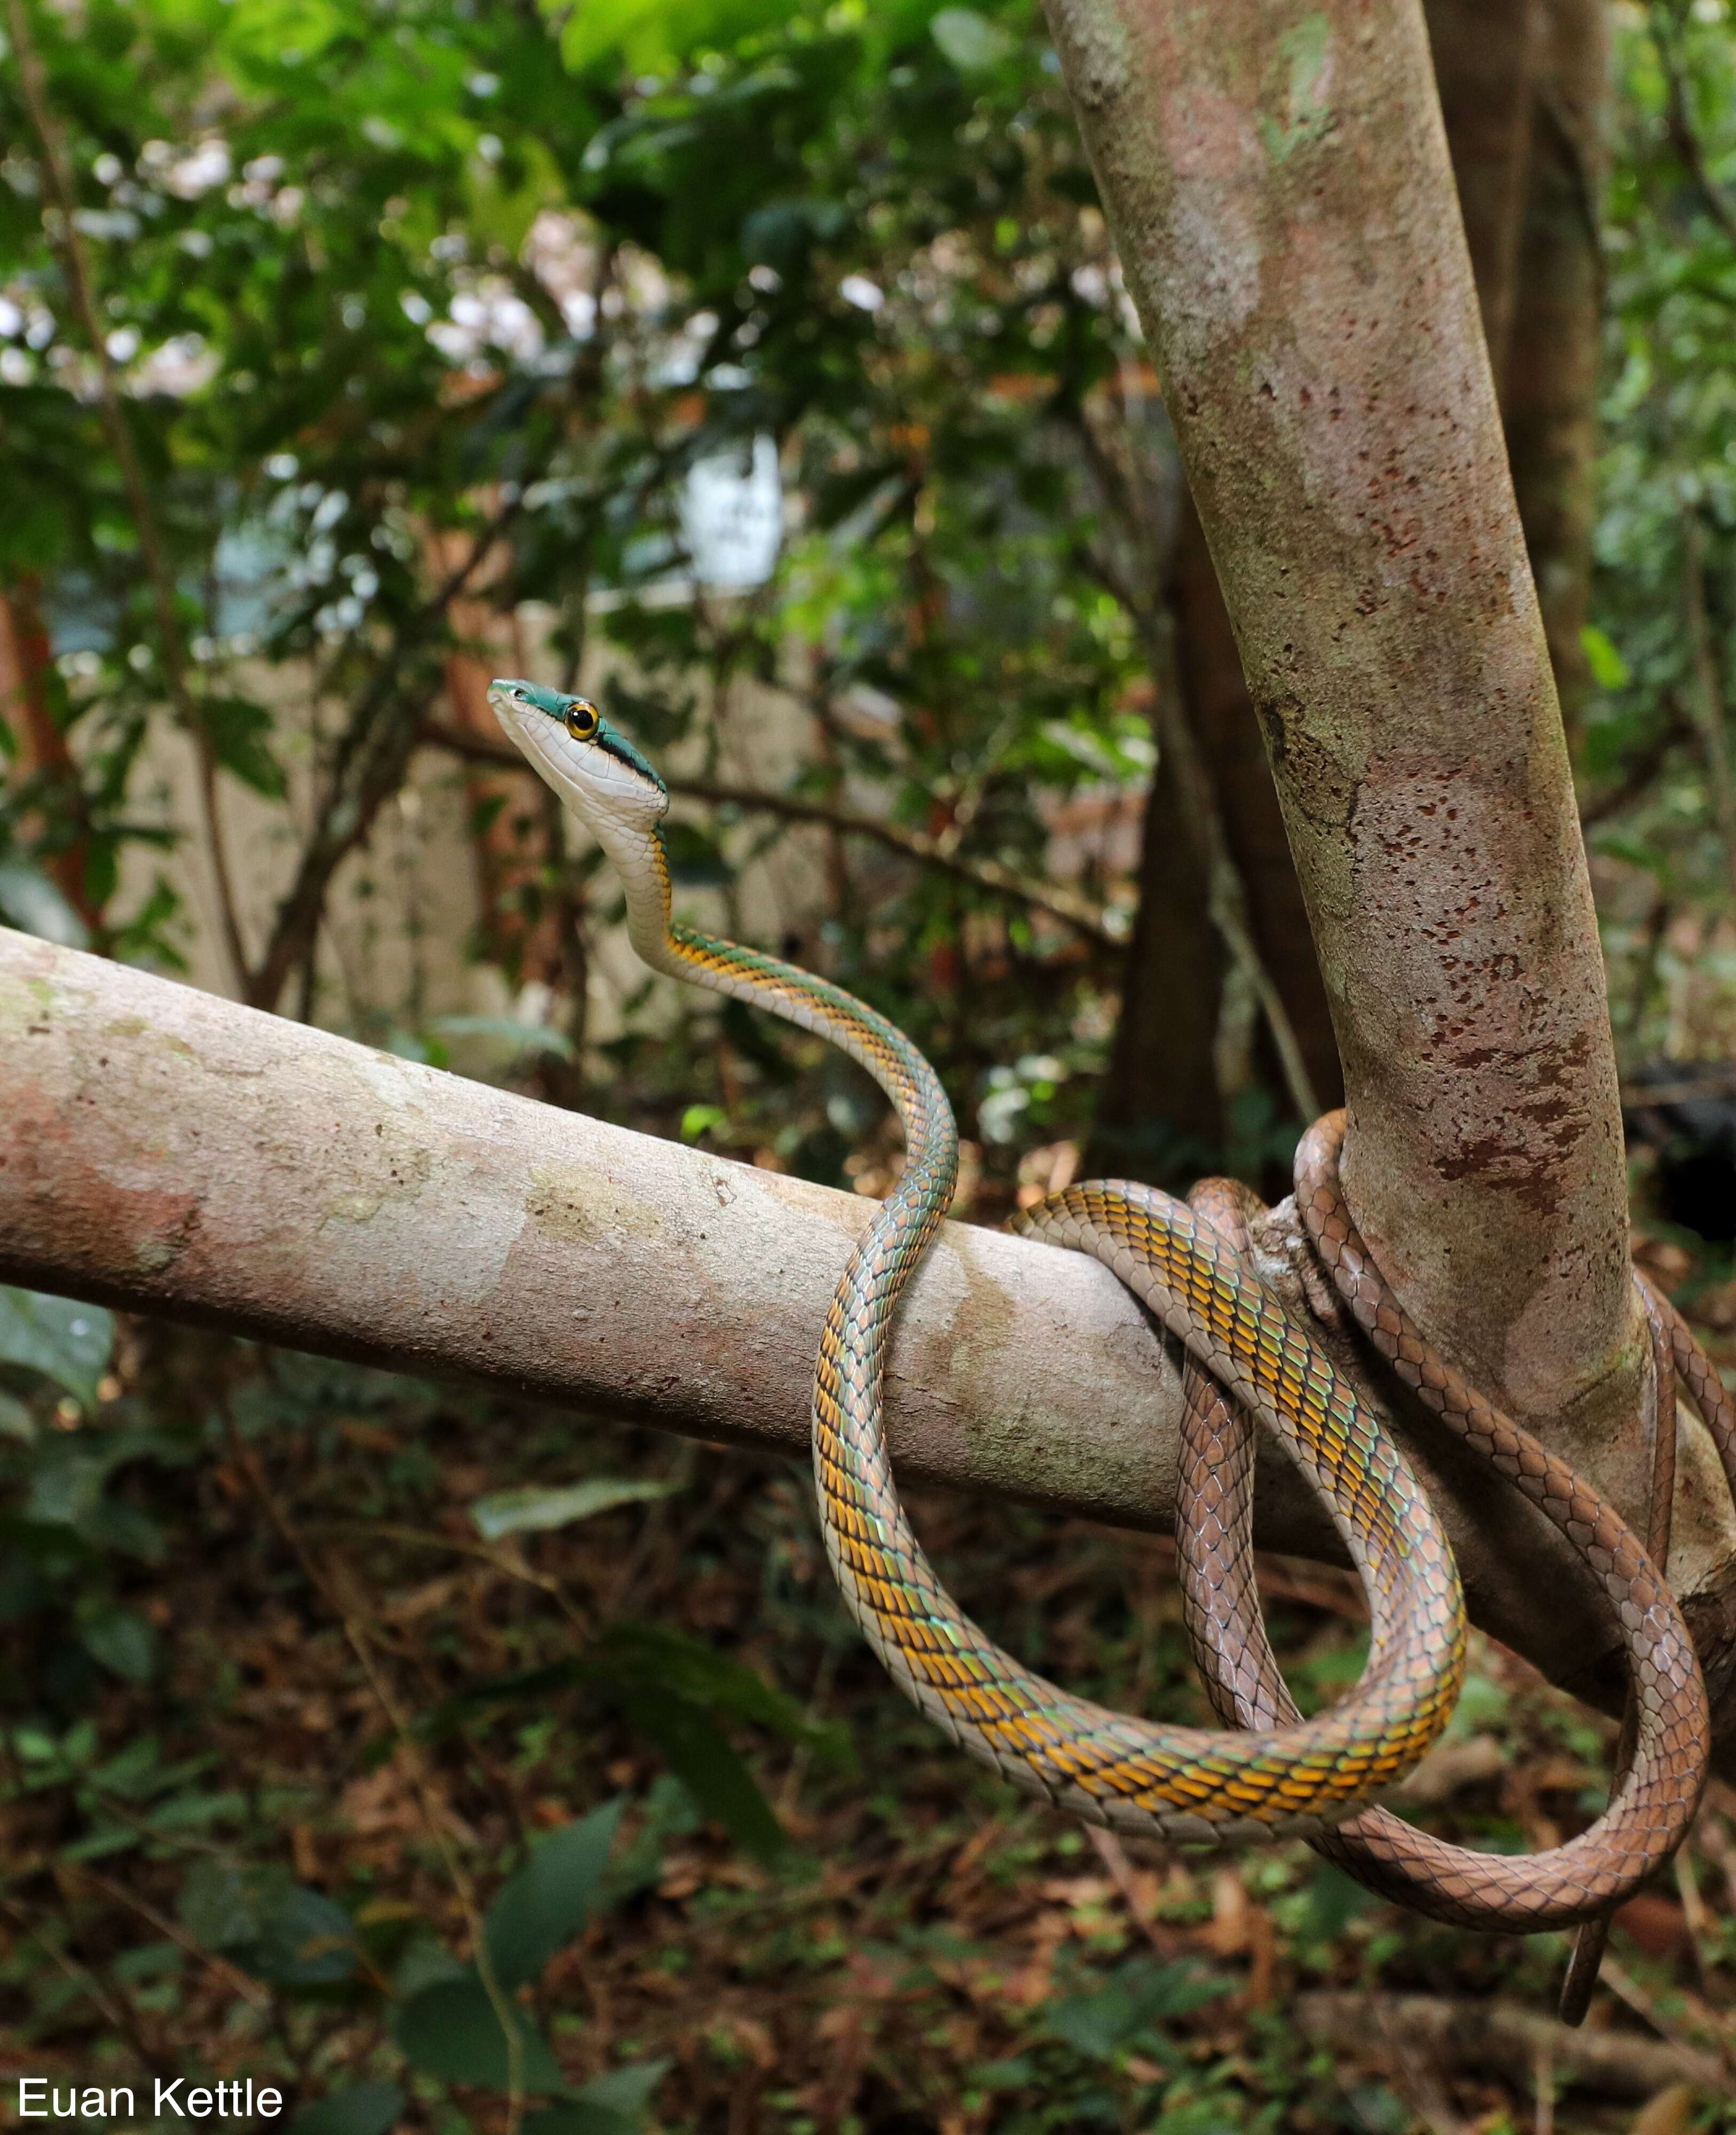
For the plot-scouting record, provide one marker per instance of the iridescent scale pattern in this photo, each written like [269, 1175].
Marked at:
[1107, 1767]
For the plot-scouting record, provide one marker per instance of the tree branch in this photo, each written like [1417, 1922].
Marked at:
[1505, 2040]
[166, 1151]
[1093, 921]
[367, 771]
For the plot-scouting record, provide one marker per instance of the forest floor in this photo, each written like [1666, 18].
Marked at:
[261, 1789]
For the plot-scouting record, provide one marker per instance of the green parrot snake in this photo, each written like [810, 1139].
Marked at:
[1270, 1772]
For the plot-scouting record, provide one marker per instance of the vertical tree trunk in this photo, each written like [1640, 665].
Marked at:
[1486, 55]
[1162, 1112]
[1214, 694]
[1159, 1113]
[1549, 396]
[25, 661]
[1277, 176]
[1507, 73]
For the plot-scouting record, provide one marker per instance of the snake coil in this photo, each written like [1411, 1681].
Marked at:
[1270, 1772]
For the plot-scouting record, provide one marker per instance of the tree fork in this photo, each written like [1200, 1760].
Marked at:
[1276, 175]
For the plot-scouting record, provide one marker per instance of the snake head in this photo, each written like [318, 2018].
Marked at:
[598, 773]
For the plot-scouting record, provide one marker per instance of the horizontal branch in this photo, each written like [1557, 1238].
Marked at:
[1095, 921]
[166, 1151]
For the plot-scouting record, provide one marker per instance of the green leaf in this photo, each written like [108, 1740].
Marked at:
[612, 2104]
[970, 41]
[369, 2108]
[701, 1119]
[240, 732]
[305, 1940]
[16, 1421]
[1138, 1994]
[696, 861]
[547, 1902]
[125, 1644]
[636, 1655]
[29, 900]
[453, 2030]
[1609, 671]
[67, 1342]
[702, 1757]
[633, 1659]
[1334, 1901]
[624, 2090]
[656, 37]
[215, 1905]
[534, 1510]
[575, 2119]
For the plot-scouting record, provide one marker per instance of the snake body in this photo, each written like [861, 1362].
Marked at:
[1657, 1793]
[1277, 1774]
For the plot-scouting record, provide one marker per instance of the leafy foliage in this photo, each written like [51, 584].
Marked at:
[1662, 648]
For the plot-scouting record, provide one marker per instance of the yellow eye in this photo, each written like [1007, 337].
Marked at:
[580, 720]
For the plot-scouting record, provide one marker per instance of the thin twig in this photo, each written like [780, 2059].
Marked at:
[1094, 922]
[509, 1566]
[354, 797]
[1543, 2088]
[232, 1977]
[81, 1975]
[1621, 1983]
[63, 233]
[1493, 2035]
[1702, 1928]
[112, 1999]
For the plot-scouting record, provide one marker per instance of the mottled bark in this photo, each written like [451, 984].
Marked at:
[1549, 383]
[1502, 70]
[1278, 179]
[166, 1151]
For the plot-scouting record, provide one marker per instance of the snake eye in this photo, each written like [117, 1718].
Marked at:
[522, 695]
[581, 719]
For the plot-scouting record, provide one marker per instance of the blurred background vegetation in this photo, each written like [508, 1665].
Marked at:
[766, 371]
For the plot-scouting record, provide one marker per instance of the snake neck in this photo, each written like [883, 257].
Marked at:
[799, 997]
